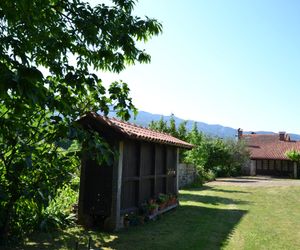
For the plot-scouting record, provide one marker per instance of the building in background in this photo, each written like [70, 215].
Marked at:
[268, 154]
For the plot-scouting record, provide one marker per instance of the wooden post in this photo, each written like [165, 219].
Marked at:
[165, 152]
[81, 200]
[155, 192]
[295, 170]
[253, 168]
[177, 169]
[114, 222]
[141, 156]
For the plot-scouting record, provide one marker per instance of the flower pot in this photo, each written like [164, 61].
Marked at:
[141, 220]
[126, 223]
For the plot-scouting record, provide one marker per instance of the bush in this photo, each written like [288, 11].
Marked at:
[227, 170]
[213, 156]
[28, 214]
[60, 212]
[25, 217]
[217, 157]
[204, 175]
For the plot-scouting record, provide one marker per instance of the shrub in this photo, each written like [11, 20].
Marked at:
[25, 217]
[293, 155]
[213, 156]
[204, 175]
[60, 212]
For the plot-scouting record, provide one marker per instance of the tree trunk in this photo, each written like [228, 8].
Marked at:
[5, 229]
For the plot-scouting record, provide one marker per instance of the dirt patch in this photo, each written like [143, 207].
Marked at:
[254, 181]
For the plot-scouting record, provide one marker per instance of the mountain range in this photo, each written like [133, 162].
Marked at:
[144, 118]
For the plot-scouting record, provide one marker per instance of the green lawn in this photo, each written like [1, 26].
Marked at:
[210, 217]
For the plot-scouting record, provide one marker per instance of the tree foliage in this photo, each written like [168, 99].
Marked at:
[48, 51]
[169, 127]
[212, 155]
[293, 155]
[160, 125]
[223, 157]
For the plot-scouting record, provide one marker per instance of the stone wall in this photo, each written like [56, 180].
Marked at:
[187, 174]
[246, 168]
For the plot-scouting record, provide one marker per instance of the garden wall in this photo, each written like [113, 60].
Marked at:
[187, 174]
[246, 168]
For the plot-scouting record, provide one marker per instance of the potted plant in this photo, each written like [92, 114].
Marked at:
[172, 199]
[141, 219]
[126, 220]
[162, 201]
[152, 208]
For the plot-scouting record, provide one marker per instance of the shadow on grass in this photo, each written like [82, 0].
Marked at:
[214, 200]
[250, 179]
[205, 187]
[74, 238]
[228, 191]
[187, 227]
[264, 177]
[237, 180]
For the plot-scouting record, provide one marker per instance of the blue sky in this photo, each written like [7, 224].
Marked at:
[234, 63]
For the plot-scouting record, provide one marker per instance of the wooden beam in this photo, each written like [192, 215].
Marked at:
[153, 152]
[295, 170]
[139, 196]
[81, 212]
[165, 152]
[176, 169]
[114, 221]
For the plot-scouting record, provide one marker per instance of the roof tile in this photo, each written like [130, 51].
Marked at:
[137, 132]
[269, 146]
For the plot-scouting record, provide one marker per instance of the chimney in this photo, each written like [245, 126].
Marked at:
[282, 136]
[240, 133]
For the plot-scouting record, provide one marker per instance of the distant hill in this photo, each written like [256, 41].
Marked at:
[144, 118]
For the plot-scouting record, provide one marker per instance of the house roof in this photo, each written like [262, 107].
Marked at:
[263, 146]
[137, 132]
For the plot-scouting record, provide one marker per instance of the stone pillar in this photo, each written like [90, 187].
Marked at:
[295, 170]
[114, 222]
[253, 167]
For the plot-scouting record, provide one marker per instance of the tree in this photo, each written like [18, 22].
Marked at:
[160, 125]
[214, 155]
[226, 156]
[70, 40]
[197, 155]
[293, 155]
[182, 131]
[170, 127]
[195, 130]
[172, 130]
[211, 155]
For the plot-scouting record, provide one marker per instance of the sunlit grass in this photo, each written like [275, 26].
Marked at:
[210, 217]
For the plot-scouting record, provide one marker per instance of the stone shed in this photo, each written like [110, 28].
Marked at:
[146, 165]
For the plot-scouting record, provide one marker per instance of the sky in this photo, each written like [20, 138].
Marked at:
[234, 63]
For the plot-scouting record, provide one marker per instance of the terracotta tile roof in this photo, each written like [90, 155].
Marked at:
[269, 146]
[140, 133]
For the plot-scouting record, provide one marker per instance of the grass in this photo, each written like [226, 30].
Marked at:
[210, 217]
